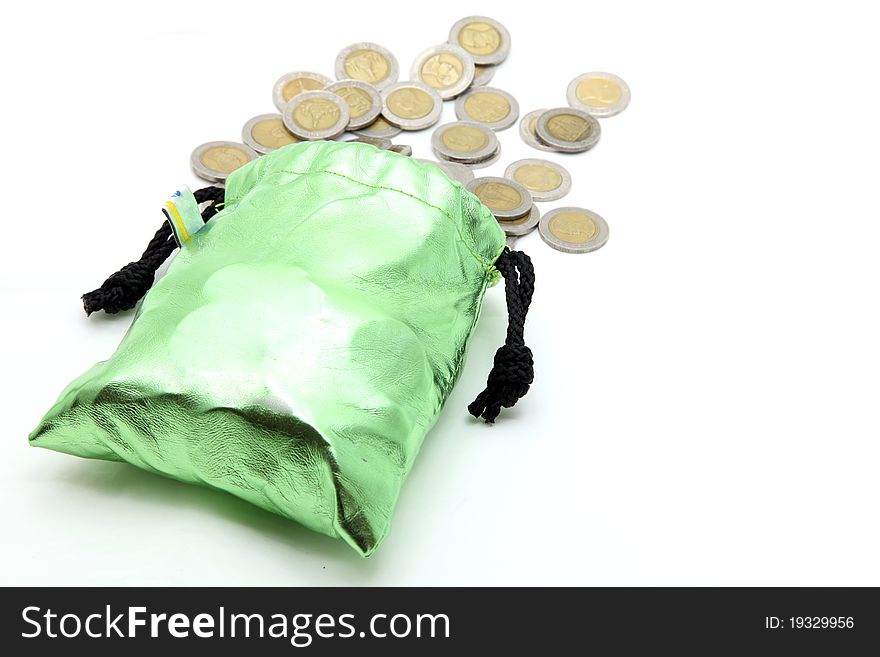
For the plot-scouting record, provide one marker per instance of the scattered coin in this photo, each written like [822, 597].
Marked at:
[215, 160]
[507, 199]
[573, 230]
[446, 68]
[364, 102]
[381, 143]
[314, 115]
[547, 181]
[568, 130]
[463, 142]
[292, 84]
[367, 62]
[453, 170]
[527, 130]
[266, 132]
[598, 94]
[378, 129]
[485, 39]
[402, 149]
[411, 105]
[493, 108]
[524, 225]
[483, 74]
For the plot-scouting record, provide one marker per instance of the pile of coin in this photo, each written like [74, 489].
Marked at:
[367, 103]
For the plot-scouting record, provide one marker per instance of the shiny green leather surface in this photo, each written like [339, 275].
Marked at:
[302, 344]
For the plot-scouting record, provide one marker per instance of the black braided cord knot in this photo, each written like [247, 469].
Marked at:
[512, 374]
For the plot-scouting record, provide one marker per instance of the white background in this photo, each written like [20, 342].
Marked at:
[705, 409]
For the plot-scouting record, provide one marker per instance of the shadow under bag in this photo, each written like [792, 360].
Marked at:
[304, 340]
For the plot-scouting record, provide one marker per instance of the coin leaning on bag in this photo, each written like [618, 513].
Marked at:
[364, 102]
[488, 106]
[446, 68]
[314, 115]
[484, 38]
[523, 225]
[465, 143]
[545, 180]
[507, 199]
[453, 170]
[367, 62]
[568, 130]
[215, 160]
[573, 230]
[598, 94]
[411, 105]
[266, 132]
[294, 83]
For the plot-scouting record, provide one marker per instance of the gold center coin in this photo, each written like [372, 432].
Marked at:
[498, 196]
[272, 134]
[410, 103]
[569, 127]
[479, 38]
[299, 85]
[367, 65]
[487, 107]
[224, 158]
[598, 92]
[465, 139]
[316, 114]
[573, 227]
[538, 177]
[358, 100]
[442, 70]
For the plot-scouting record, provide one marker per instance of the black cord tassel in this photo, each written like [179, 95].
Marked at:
[122, 290]
[513, 371]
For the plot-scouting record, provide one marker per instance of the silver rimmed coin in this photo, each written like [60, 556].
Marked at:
[493, 108]
[378, 129]
[295, 83]
[483, 74]
[523, 225]
[364, 102]
[527, 131]
[545, 180]
[446, 68]
[266, 132]
[315, 115]
[453, 170]
[401, 149]
[507, 199]
[568, 130]
[482, 164]
[411, 105]
[367, 62]
[215, 160]
[573, 230]
[485, 39]
[379, 142]
[598, 94]
[464, 142]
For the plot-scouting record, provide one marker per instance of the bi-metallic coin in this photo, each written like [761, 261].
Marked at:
[524, 225]
[453, 170]
[411, 105]
[493, 108]
[507, 199]
[527, 131]
[465, 142]
[378, 129]
[485, 39]
[568, 130]
[367, 62]
[364, 102]
[448, 69]
[573, 230]
[266, 132]
[314, 115]
[545, 180]
[483, 74]
[598, 94]
[215, 160]
[292, 84]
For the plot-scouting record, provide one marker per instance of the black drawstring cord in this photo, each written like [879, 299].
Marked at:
[126, 287]
[513, 371]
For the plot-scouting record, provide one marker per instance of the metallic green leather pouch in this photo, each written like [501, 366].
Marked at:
[302, 342]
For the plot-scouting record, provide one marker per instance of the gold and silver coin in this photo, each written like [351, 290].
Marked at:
[367, 62]
[573, 230]
[493, 108]
[485, 39]
[453, 170]
[523, 225]
[465, 143]
[378, 129]
[483, 74]
[402, 149]
[507, 199]
[314, 115]
[545, 180]
[266, 132]
[446, 68]
[568, 130]
[382, 143]
[598, 94]
[527, 131]
[295, 83]
[215, 160]
[411, 105]
[364, 102]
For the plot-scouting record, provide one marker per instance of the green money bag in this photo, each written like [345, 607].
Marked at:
[304, 340]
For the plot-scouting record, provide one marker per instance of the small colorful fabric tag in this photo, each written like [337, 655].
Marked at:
[182, 212]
